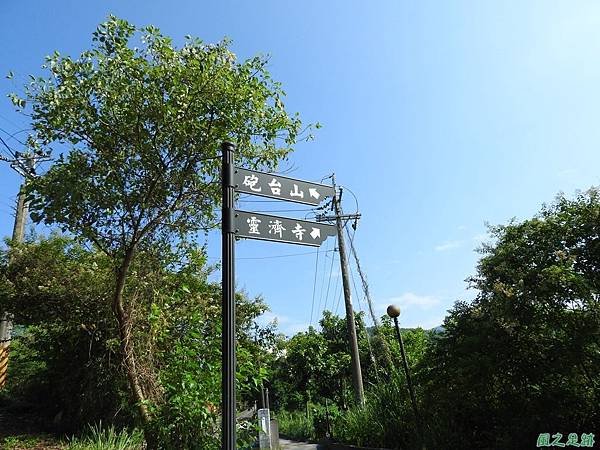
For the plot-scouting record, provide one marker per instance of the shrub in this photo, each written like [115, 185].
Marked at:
[386, 420]
[296, 425]
[99, 438]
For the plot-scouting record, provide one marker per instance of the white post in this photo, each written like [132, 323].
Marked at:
[264, 433]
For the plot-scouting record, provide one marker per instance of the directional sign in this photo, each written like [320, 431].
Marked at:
[283, 188]
[281, 229]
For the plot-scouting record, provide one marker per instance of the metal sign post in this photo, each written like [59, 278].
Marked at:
[228, 300]
[256, 226]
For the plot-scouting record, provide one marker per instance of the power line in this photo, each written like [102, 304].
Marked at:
[323, 282]
[329, 281]
[337, 305]
[11, 152]
[352, 338]
[312, 307]
[241, 200]
[336, 288]
[351, 238]
[10, 121]
[355, 290]
[272, 257]
[12, 135]
[281, 210]
[361, 309]
[363, 279]
[353, 195]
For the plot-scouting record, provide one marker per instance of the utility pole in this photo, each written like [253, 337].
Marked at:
[6, 322]
[354, 355]
[24, 164]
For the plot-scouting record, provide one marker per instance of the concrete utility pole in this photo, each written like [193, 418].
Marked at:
[20, 216]
[354, 355]
[6, 322]
[24, 164]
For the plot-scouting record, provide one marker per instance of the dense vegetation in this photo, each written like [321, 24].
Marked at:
[65, 357]
[119, 323]
[119, 315]
[518, 360]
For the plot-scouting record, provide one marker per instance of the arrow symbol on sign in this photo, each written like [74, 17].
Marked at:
[314, 193]
[315, 233]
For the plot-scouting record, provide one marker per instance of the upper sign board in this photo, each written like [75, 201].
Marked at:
[281, 229]
[282, 188]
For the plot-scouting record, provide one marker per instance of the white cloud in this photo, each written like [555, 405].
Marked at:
[410, 299]
[448, 245]
[296, 328]
[423, 311]
[267, 317]
[285, 324]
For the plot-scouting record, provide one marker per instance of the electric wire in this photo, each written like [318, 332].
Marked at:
[371, 355]
[312, 307]
[365, 285]
[322, 283]
[265, 211]
[12, 135]
[271, 257]
[335, 289]
[337, 305]
[363, 279]
[241, 200]
[353, 195]
[340, 211]
[329, 281]
[8, 120]
[10, 150]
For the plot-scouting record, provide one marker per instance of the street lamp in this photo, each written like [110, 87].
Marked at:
[394, 312]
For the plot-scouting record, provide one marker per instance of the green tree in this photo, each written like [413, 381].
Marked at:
[416, 343]
[297, 369]
[316, 364]
[66, 356]
[186, 331]
[144, 121]
[521, 357]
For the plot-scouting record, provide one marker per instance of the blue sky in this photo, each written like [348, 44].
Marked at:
[439, 116]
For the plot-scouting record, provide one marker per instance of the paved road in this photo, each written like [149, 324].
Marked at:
[291, 445]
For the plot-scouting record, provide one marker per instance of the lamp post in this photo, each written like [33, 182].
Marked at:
[394, 312]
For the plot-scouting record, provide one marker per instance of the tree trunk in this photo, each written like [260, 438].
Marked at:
[127, 347]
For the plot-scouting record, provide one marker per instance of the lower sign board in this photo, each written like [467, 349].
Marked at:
[281, 229]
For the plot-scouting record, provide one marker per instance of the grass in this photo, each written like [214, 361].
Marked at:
[95, 438]
[296, 425]
[98, 438]
[27, 442]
